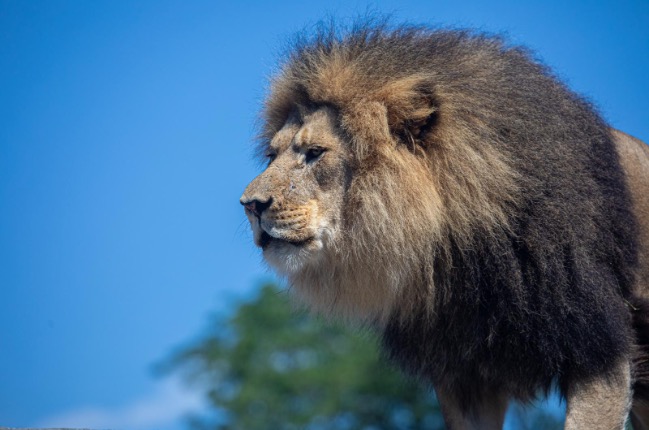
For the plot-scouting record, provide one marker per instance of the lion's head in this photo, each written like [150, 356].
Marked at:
[375, 163]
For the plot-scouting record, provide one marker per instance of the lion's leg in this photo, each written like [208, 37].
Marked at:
[488, 415]
[601, 403]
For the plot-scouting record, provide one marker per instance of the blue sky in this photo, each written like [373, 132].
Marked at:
[125, 143]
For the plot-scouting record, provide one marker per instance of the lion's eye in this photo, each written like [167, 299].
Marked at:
[314, 153]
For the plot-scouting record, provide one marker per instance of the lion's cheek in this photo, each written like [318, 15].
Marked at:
[289, 260]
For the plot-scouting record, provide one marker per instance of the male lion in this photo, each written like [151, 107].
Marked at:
[447, 190]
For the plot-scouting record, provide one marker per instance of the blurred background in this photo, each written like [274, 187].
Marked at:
[131, 295]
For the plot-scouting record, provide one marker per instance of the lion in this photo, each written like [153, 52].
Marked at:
[447, 190]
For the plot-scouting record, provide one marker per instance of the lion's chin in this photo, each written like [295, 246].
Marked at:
[289, 257]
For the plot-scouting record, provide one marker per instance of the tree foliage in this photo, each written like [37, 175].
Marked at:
[268, 366]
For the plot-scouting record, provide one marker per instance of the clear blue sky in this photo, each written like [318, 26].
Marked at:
[125, 131]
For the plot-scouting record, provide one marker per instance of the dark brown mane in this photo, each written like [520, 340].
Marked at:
[530, 252]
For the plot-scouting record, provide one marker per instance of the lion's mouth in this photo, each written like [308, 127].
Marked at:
[266, 239]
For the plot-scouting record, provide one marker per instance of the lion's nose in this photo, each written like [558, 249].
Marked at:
[256, 206]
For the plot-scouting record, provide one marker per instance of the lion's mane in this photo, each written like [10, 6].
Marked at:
[488, 226]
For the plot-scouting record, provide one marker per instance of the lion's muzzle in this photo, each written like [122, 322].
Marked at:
[275, 221]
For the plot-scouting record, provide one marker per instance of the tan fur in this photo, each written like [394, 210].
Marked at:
[478, 181]
[634, 156]
[396, 209]
[364, 278]
[600, 404]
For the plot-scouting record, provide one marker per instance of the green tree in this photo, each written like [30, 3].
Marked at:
[268, 366]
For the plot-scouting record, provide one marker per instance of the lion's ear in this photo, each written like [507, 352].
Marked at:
[402, 112]
[413, 129]
[412, 110]
[367, 123]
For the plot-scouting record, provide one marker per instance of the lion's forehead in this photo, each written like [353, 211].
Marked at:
[285, 135]
[308, 128]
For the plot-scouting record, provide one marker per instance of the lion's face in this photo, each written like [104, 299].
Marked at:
[294, 205]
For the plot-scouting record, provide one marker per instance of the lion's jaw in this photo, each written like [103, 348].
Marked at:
[291, 240]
